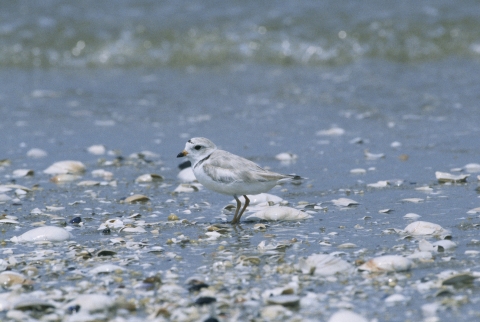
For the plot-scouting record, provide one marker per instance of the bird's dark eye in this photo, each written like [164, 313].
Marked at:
[197, 147]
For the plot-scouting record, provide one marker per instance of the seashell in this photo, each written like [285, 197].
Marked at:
[63, 178]
[385, 211]
[186, 187]
[186, 175]
[443, 177]
[4, 197]
[286, 157]
[358, 171]
[412, 216]
[9, 187]
[274, 313]
[97, 149]
[424, 228]
[136, 198]
[19, 173]
[387, 263]
[444, 244]
[474, 211]
[88, 183]
[64, 167]
[172, 217]
[413, 200]
[91, 303]
[373, 156]
[333, 131]
[36, 153]
[31, 303]
[100, 173]
[421, 255]
[280, 213]
[9, 278]
[347, 245]
[45, 233]
[261, 227]
[472, 167]
[150, 177]
[424, 189]
[285, 300]
[396, 298]
[457, 279]
[272, 246]
[54, 208]
[106, 252]
[106, 268]
[346, 316]
[379, 184]
[9, 221]
[324, 265]
[111, 223]
[133, 230]
[344, 202]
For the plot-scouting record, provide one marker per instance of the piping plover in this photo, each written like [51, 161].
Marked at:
[229, 174]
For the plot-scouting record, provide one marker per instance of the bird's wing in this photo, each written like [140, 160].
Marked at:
[225, 167]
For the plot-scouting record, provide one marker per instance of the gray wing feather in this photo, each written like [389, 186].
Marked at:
[226, 167]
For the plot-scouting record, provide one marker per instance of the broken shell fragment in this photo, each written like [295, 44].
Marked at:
[333, 131]
[424, 228]
[285, 300]
[19, 173]
[324, 265]
[458, 279]
[344, 202]
[91, 303]
[9, 278]
[88, 183]
[443, 177]
[97, 149]
[106, 268]
[45, 233]
[63, 167]
[472, 167]
[149, 177]
[36, 153]
[186, 187]
[346, 316]
[136, 198]
[286, 157]
[387, 263]
[64, 178]
[280, 213]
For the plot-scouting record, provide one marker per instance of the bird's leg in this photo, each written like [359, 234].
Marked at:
[247, 201]
[239, 205]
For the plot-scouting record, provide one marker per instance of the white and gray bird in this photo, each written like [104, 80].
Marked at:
[229, 174]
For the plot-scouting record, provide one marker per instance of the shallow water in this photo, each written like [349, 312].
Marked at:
[416, 86]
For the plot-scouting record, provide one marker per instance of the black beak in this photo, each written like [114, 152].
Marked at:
[182, 154]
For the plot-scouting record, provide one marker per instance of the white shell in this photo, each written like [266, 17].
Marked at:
[106, 268]
[63, 178]
[136, 198]
[379, 184]
[411, 216]
[186, 175]
[92, 302]
[111, 223]
[424, 228]
[472, 167]
[280, 213]
[445, 244]
[346, 316]
[186, 187]
[149, 177]
[324, 265]
[344, 202]
[286, 157]
[358, 171]
[333, 131]
[19, 173]
[448, 177]
[62, 167]
[97, 149]
[100, 173]
[36, 153]
[387, 263]
[284, 300]
[46, 233]
[88, 183]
